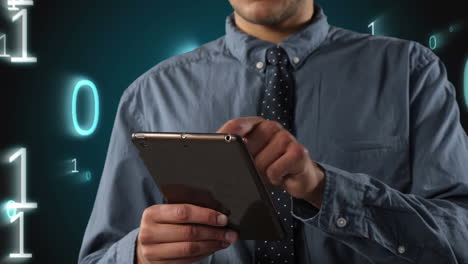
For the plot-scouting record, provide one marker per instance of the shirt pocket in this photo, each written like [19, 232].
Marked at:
[385, 157]
[369, 145]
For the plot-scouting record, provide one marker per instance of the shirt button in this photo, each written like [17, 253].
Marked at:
[260, 65]
[401, 249]
[341, 222]
[296, 60]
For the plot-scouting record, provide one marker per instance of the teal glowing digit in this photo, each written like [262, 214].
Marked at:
[372, 26]
[88, 176]
[74, 167]
[11, 212]
[433, 42]
[76, 125]
[23, 205]
[23, 14]
[3, 39]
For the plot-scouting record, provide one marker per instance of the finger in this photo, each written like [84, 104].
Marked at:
[184, 214]
[292, 162]
[261, 135]
[167, 233]
[274, 149]
[241, 126]
[180, 250]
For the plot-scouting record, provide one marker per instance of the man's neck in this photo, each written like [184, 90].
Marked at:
[276, 34]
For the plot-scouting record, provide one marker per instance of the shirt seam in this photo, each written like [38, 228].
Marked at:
[130, 94]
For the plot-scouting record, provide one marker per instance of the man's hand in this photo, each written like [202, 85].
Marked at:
[279, 158]
[181, 233]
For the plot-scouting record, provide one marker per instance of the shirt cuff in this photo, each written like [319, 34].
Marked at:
[341, 211]
[126, 247]
[348, 214]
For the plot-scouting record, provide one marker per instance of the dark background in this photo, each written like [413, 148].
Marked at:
[112, 43]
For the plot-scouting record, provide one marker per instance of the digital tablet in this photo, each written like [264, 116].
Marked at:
[211, 170]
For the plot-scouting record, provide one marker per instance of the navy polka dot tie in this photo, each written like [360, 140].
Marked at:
[277, 103]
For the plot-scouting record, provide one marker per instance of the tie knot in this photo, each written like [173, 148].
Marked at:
[277, 55]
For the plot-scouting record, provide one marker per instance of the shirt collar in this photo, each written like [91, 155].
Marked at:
[252, 51]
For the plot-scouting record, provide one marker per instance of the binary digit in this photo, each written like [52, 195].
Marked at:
[3, 46]
[23, 205]
[74, 166]
[10, 212]
[433, 42]
[372, 26]
[24, 36]
[78, 128]
[87, 176]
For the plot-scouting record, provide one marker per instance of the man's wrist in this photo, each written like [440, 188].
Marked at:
[316, 195]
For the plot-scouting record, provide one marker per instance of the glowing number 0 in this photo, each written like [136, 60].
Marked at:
[433, 42]
[76, 125]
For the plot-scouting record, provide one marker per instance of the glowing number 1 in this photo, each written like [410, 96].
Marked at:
[74, 166]
[21, 153]
[372, 26]
[24, 57]
[3, 37]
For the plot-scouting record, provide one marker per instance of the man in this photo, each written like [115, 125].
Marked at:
[358, 137]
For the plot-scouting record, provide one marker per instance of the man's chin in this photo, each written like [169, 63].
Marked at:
[263, 18]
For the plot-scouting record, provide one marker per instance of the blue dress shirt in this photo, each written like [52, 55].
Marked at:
[377, 113]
